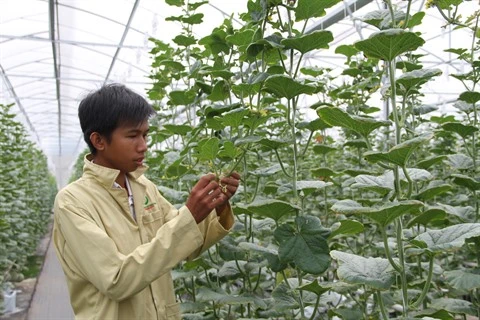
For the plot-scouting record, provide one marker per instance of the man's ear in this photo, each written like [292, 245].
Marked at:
[98, 141]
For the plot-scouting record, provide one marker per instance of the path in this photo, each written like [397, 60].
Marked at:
[51, 300]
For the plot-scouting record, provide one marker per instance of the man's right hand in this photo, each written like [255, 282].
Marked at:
[205, 196]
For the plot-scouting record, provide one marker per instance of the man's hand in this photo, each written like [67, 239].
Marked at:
[208, 194]
[205, 196]
[228, 185]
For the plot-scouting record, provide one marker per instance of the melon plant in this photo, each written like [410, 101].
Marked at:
[363, 210]
[27, 190]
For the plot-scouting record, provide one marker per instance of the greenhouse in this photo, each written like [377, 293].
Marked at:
[247, 159]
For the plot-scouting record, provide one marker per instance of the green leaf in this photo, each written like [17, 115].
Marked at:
[185, 41]
[311, 186]
[383, 214]
[381, 184]
[196, 5]
[447, 4]
[323, 172]
[347, 50]
[180, 129]
[415, 20]
[430, 161]
[177, 3]
[314, 287]
[196, 18]
[336, 117]
[414, 79]
[234, 118]
[274, 209]
[220, 91]
[389, 44]
[314, 125]
[460, 161]
[449, 238]
[466, 181]
[346, 313]
[434, 189]
[181, 98]
[463, 106]
[241, 38]
[469, 97]
[228, 151]
[208, 149]
[285, 87]
[374, 272]
[229, 269]
[346, 227]
[265, 44]
[323, 149]
[216, 42]
[464, 213]
[305, 244]
[427, 216]
[272, 144]
[382, 18]
[399, 154]
[359, 144]
[286, 296]
[247, 139]
[462, 280]
[454, 306]
[172, 65]
[307, 9]
[311, 41]
[463, 130]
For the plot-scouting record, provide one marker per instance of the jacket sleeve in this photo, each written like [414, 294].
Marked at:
[213, 228]
[91, 253]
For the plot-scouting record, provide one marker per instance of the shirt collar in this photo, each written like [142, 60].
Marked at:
[107, 176]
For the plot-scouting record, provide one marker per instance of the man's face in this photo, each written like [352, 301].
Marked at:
[126, 149]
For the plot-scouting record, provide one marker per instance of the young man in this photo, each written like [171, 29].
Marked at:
[116, 237]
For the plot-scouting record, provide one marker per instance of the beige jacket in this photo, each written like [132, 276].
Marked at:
[117, 268]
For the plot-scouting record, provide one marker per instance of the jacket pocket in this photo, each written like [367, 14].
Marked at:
[172, 311]
[152, 221]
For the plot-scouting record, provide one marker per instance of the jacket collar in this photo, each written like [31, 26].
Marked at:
[107, 176]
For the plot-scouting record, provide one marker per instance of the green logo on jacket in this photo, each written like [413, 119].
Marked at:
[147, 205]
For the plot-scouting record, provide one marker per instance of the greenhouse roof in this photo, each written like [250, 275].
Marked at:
[54, 52]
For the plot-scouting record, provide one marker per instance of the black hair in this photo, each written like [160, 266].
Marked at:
[109, 107]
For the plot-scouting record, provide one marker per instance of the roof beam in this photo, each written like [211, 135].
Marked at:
[125, 32]
[62, 41]
[53, 25]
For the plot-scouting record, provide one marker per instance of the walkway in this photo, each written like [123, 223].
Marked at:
[50, 300]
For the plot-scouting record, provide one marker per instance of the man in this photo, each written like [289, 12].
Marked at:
[116, 237]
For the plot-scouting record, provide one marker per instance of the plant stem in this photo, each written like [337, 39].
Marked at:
[403, 274]
[387, 251]
[407, 15]
[410, 182]
[393, 99]
[426, 287]
[383, 311]
[308, 143]
[281, 164]
[315, 308]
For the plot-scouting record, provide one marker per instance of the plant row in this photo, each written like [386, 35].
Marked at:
[27, 190]
[350, 214]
